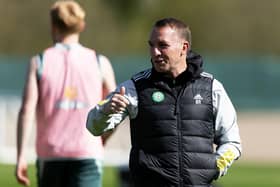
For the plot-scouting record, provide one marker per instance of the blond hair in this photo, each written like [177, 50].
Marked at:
[67, 16]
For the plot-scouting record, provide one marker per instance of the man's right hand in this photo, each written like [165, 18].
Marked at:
[117, 103]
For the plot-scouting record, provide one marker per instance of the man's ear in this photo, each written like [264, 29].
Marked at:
[186, 47]
[83, 26]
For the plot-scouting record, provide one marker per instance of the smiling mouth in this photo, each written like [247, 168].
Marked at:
[159, 61]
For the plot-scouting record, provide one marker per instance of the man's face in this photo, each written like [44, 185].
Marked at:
[168, 50]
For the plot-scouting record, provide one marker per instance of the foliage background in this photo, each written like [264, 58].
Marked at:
[122, 27]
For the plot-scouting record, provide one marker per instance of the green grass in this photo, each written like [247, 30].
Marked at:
[252, 175]
[7, 177]
[239, 175]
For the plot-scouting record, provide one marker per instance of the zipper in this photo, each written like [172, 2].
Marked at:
[177, 113]
[177, 98]
[179, 135]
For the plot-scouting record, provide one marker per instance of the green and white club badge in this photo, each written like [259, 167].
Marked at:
[158, 96]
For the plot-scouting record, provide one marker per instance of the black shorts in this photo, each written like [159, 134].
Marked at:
[70, 173]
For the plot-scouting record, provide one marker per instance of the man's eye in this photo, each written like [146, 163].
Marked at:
[163, 46]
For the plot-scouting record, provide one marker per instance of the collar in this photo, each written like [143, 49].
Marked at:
[162, 77]
[66, 46]
[194, 68]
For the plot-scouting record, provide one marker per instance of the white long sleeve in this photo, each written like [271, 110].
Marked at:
[226, 129]
[98, 122]
[227, 135]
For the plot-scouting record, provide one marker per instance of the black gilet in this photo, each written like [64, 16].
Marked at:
[172, 136]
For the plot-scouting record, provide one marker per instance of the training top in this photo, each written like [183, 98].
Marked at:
[226, 128]
[70, 84]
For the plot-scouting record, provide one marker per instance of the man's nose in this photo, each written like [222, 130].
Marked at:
[156, 51]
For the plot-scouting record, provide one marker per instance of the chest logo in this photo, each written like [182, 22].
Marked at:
[197, 99]
[158, 96]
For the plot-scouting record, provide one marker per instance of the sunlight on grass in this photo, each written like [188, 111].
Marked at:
[239, 175]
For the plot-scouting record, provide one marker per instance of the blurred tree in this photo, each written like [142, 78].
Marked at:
[125, 9]
[121, 27]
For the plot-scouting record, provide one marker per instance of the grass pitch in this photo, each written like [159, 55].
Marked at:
[239, 175]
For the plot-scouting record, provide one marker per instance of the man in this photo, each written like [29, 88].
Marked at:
[177, 113]
[63, 83]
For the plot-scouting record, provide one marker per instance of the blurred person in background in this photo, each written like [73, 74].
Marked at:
[177, 114]
[63, 83]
